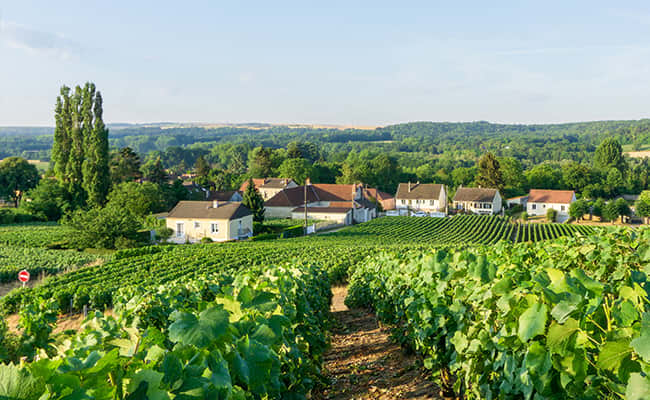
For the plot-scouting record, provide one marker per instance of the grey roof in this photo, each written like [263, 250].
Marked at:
[276, 183]
[222, 196]
[419, 191]
[475, 194]
[206, 210]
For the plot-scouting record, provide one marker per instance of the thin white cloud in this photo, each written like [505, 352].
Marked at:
[38, 42]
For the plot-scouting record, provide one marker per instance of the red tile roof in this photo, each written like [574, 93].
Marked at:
[334, 192]
[550, 196]
[292, 197]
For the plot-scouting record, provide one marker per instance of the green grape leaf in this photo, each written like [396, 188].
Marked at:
[558, 335]
[638, 388]
[188, 329]
[613, 353]
[641, 345]
[532, 322]
[17, 383]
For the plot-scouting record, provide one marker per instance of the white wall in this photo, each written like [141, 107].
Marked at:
[535, 209]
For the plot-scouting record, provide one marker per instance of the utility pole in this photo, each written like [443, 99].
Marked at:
[305, 204]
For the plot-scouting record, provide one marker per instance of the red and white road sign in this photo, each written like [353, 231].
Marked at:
[23, 276]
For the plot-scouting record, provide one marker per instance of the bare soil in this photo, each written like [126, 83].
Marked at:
[64, 322]
[364, 363]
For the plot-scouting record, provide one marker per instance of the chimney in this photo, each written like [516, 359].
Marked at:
[409, 186]
[215, 204]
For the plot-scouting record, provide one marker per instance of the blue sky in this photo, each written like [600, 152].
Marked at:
[340, 62]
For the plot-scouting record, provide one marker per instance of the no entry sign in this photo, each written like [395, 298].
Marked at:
[23, 276]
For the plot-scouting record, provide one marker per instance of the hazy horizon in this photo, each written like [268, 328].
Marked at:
[362, 64]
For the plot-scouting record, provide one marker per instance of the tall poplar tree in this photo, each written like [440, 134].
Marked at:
[96, 173]
[61, 146]
[80, 149]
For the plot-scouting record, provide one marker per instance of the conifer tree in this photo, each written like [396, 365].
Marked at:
[489, 172]
[254, 201]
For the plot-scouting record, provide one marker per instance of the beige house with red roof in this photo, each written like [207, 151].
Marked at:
[481, 201]
[540, 201]
[269, 187]
[340, 203]
[192, 221]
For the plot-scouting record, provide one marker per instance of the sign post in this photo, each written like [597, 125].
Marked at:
[23, 276]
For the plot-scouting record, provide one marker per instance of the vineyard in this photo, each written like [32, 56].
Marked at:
[256, 334]
[568, 319]
[13, 259]
[33, 235]
[249, 320]
[461, 229]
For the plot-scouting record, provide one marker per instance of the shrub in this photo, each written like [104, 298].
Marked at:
[206, 240]
[524, 216]
[551, 215]
[101, 227]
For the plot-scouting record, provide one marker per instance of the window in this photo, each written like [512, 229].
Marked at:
[488, 206]
[543, 205]
[431, 202]
[533, 206]
[180, 229]
[562, 208]
[197, 225]
[403, 201]
[214, 227]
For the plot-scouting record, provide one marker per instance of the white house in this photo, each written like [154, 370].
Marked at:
[517, 201]
[540, 201]
[192, 221]
[482, 201]
[429, 197]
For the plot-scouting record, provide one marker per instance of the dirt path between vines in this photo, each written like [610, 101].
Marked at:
[363, 363]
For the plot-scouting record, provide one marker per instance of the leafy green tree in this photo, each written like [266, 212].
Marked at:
[463, 176]
[297, 169]
[614, 182]
[513, 176]
[48, 200]
[253, 201]
[609, 154]
[578, 209]
[125, 166]
[615, 209]
[154, 172]
[103, 228]
[16, 177]
[642, 205]
[489, 174]
[544, 176]
[174, 193]
[576, 176]
[598, 208]
[386, 173]
[141, 199]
